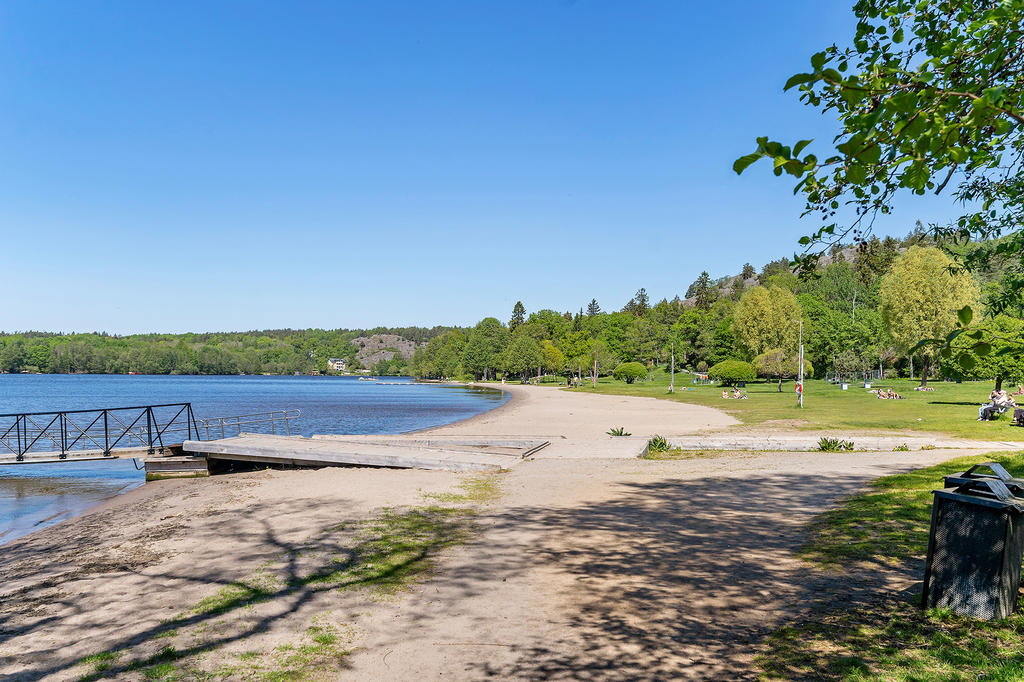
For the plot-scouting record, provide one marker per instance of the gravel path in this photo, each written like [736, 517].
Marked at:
[613, 569]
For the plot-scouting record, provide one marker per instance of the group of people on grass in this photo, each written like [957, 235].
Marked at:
[737, 394]
[886, 394]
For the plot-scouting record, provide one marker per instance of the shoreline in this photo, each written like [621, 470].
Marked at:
[130, 496]
[511, 397]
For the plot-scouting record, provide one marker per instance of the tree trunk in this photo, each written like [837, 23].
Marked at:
[780, 384]
[999, 383]
[924, 370]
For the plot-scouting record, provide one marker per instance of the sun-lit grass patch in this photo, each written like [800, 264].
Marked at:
[889, 522]
[951, 408]
[892, 638]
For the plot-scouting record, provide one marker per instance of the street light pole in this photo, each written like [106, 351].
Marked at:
[801, 394]
[672, 381]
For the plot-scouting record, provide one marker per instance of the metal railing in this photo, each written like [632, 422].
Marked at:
[222, 427]
[103, 430]
[153, 427]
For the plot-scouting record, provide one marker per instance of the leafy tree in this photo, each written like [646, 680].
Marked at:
[767, 318]
[779, 364]
[522, 356]
[1000, 363]
[593, 308]
[729, 372]
[484, 347]
[920, 296]
[619, 337]
[630, 372]
[518, 316]
[554, 324]
[748, 271]
[929, 95]
[552, 359]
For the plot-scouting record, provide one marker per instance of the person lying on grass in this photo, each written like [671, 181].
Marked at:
[738, 394]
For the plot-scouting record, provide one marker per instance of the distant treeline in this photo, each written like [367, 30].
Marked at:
[862, 311]
[865, 308]
[276, 351]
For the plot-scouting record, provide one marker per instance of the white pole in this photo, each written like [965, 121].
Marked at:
[672, 381]
[801, 394]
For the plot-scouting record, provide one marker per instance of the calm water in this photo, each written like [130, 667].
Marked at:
[34, 496]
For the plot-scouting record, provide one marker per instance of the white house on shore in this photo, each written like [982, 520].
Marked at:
[337, 364]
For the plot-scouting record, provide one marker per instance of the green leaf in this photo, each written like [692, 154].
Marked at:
[818, 60]
[982, 348]
[967, 361]
[965, 315]
[740, 164]
[799, 79]
[799, 146]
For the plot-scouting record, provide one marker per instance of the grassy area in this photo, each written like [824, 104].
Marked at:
[893, 639]
[951, 408]
[383, 556]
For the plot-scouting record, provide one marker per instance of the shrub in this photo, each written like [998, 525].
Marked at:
[658, 444]
[902, 447]
[834, 445]
[630, 372]
[702, 366]
[619, 431]
[728, 372]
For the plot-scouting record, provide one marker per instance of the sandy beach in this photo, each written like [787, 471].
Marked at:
[586, 563]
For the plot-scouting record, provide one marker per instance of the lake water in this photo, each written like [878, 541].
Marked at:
[35, 496]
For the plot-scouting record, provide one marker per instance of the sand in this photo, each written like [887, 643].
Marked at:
[591, 563]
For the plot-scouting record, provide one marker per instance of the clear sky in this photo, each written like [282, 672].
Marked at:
[208, 166]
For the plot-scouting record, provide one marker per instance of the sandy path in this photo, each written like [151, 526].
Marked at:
[610, 569]
[592, 564]
[548, 411]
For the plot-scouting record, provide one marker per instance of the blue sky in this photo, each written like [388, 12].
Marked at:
[240, 165]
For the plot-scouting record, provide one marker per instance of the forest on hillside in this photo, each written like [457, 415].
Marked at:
[863, 310]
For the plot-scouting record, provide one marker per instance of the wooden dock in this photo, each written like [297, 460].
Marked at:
[404, 452]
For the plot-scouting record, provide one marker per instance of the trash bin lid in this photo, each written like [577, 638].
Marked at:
[984, 492]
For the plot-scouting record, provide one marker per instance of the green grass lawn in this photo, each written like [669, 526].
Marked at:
[891, 638]
[950, 409]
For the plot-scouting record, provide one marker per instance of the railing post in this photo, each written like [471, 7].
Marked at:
[149, 429]
[63, 420]
[17, 429]
[287, 425]
[106, 435]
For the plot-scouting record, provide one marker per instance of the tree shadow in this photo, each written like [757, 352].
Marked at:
[338, 551]
[676, 578]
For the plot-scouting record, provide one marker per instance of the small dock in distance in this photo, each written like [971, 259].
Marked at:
[451, 453]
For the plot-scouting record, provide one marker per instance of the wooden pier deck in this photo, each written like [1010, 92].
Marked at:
[446, 453]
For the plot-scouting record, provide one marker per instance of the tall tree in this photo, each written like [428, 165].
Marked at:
[483, 349]
[748, 271]
[703, 292]
[593, 308]
[920, 296]
[518, 316]
[767, 318]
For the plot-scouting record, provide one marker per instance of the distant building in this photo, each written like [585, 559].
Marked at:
[337, 364]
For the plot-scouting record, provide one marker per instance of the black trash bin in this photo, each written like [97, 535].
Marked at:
[1016, 485]
[975, 550]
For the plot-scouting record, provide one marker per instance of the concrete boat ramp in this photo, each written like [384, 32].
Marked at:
[449, 453]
